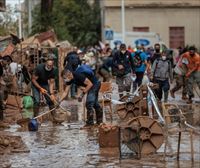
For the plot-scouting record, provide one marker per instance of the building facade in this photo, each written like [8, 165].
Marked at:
[176, 21]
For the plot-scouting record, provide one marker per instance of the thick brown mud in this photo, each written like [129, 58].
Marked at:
[67, 145]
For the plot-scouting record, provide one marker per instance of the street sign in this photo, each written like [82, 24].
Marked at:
[145, 42]
[109, 34]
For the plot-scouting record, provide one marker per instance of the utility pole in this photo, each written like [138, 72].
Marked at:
[20, 20]
[102, 20]
[123, 20]
[29, 16]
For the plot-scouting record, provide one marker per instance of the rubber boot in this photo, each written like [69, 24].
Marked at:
[172, 93]
[166, 96]
[189, 101]
[90, 120]
[99, 116]
[184, 97]
[121, 95]
[1, 114]
[52, 115]
[36, 111]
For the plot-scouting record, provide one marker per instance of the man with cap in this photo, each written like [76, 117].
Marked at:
[193, 70]
[43, 81]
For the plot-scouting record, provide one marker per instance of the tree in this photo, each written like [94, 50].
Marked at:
[8, 23]
[75, 20]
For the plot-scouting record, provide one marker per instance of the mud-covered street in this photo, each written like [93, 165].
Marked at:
[99, 84]
[69, 145]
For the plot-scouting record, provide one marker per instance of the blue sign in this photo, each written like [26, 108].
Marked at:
[144, 42]
[109, 34]
[117, 42]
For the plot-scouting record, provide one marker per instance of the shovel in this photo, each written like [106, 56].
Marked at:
[57, 104]
[24, 122]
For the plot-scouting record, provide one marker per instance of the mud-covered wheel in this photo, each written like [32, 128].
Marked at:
[143, 135]
[124, 98]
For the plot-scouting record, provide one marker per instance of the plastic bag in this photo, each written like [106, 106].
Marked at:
[27, 102]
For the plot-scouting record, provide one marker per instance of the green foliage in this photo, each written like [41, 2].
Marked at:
[8, 23]
[73, 20]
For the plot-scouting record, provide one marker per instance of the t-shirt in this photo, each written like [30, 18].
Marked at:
[141, 68]
[79, 79]
[193, 62]
[43, 75]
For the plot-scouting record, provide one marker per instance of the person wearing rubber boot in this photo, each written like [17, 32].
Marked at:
[193, 71]
[122, 68]
[84, 77]
[161, 73]
[43, 83]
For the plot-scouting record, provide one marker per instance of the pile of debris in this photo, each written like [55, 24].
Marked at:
[11, 144]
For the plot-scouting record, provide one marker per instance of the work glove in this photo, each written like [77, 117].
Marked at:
[80, 98]
[43, 91]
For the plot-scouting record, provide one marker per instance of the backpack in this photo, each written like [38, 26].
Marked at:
[163, 71]
[137, 60]
[85, 69]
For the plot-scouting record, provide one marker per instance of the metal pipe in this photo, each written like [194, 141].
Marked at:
[123, 20]
[153, 99]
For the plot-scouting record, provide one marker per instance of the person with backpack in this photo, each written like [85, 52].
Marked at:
[84, 77]
[122, 68]
[139, 65]
[105, 68]
[161, 73]
[156, 54]
[72, 61]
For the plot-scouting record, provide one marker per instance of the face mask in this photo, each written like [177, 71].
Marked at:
[66, 80]
[48, 69]
[164, 57]
[191, 53]
[157, 50]
[123, 52]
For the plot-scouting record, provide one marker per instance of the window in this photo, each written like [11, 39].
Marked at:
[141, 29]
[176, 37]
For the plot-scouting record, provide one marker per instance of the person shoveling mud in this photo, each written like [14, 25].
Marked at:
[58, 115]
[85, 77]
[43, 80]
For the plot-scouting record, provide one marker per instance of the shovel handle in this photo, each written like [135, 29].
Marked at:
[57, 104]
[45, 113]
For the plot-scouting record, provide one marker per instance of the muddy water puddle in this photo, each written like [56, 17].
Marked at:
[66, 145]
